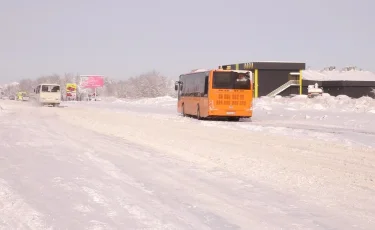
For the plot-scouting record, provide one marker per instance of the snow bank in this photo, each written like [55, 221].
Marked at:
[335, 75]
[326, 102]
[341, 103]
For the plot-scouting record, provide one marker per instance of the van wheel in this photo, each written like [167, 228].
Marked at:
[198, 113]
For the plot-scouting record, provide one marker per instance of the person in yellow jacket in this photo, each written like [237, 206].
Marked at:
[22, 96]
[19, 96]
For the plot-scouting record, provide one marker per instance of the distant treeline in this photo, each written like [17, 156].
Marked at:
[150, 84]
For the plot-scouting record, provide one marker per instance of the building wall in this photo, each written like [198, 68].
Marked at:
[269, 80]
[353, 89]
[271, 75]
[276, 65]
[266, 66]
[291, 90]
[350, 91]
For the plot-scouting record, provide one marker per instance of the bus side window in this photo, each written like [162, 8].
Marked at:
[206, 85]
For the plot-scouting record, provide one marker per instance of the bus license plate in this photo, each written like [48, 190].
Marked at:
[231, 113]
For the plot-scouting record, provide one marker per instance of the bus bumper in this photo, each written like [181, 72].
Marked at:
[230, 113]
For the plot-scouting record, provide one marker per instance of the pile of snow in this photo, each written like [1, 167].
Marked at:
[108, 99]
[299, 102]
[336, 75]
[326, 102]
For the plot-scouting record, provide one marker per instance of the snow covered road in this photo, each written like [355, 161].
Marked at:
[333, 119]
[93, 168]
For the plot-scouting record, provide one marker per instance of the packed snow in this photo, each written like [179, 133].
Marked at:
[299, 163]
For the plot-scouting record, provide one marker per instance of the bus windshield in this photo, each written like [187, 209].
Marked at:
[50, 88]
[231, 80]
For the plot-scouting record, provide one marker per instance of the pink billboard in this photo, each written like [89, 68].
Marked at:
[91, 81]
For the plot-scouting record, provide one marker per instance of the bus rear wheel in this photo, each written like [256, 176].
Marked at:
[233, 118]
[183, 110]
[198, 113]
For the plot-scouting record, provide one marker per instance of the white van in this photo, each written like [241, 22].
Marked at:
[48, 94]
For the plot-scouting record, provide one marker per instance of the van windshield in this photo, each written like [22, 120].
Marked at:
[50, 88]
[231, 80]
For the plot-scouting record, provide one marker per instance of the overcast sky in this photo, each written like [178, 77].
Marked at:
[120, 38]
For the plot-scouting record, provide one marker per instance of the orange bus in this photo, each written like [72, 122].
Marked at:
[216, 93]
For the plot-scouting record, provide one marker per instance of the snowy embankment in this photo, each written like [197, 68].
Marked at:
[342, 119]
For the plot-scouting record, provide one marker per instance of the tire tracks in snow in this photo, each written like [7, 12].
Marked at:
[301, 167]
[109, 182]
[15, 213]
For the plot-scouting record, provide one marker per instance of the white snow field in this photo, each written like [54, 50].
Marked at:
[124, 164]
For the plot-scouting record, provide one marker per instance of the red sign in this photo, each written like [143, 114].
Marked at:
[92, 81]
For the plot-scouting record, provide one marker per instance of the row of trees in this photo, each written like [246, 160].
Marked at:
[150, 84]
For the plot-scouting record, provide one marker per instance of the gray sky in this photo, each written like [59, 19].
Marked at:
[120, 38]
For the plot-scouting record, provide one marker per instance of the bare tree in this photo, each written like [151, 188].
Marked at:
[149, 84]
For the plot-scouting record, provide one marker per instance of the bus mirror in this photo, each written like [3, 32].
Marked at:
[176, 87]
